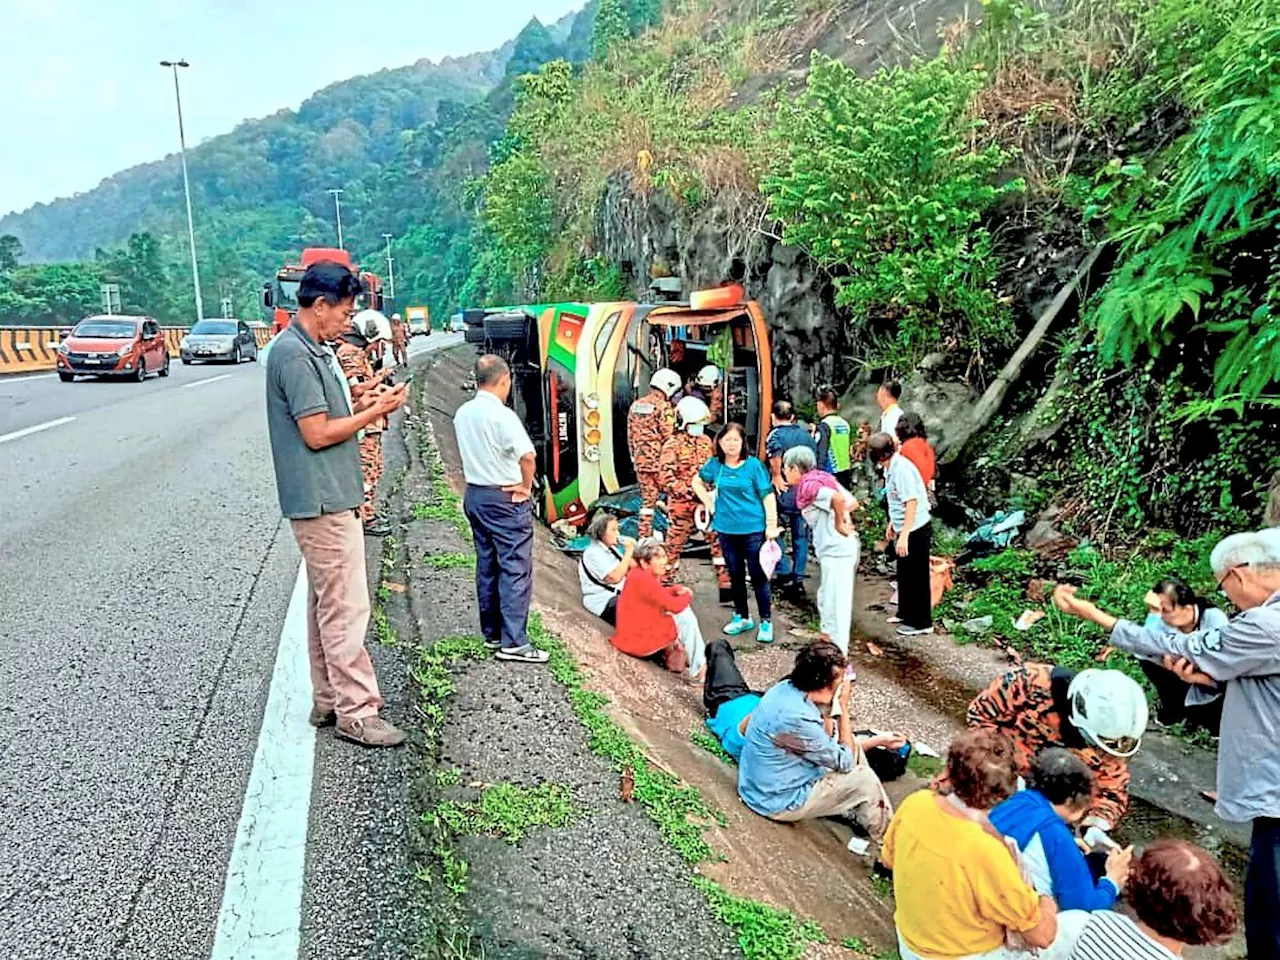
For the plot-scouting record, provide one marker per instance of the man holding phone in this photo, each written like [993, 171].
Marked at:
[313, 422]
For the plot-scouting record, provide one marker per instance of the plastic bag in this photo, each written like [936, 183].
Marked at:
[770, 557]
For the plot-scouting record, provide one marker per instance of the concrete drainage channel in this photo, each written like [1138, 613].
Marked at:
[542, 829]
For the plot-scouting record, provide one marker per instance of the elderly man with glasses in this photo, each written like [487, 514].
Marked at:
[1244, 658]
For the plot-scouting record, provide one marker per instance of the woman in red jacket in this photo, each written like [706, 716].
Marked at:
[657, 622]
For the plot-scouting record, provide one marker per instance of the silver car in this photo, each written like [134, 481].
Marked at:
[230, 341]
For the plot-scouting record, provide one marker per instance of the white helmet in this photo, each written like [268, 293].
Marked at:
[692, 410]
[371, 325]
[395, 316]
[1109, 709]
[668, 381]
[708, 376]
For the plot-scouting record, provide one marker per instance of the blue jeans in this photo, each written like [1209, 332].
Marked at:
[795, 557]
[742, 553]
[503, 533]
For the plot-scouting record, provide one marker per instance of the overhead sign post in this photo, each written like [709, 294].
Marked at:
[110, 293]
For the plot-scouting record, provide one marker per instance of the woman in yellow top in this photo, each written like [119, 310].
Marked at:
[958, 888]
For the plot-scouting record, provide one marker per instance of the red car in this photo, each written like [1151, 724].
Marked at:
[108, 346]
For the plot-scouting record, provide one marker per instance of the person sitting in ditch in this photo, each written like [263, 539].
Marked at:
[656, 622]
[729, 703]
[1040, 820]
[604, 566]
[792, 768]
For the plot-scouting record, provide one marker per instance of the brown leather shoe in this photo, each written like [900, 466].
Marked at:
[371, 732]
[322, 718]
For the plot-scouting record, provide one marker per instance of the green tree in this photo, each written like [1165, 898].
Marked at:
[10, 252]
[611, 25]
[880, 184]
[534, 47]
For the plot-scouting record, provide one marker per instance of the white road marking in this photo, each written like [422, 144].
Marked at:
[261, 913]
[32, 376]
[27, 431]
[201, 383]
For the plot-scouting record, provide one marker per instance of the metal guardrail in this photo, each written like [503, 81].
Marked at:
[26, 349]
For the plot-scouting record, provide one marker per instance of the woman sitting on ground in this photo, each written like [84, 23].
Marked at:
[1173, 607]
[792, 768]
[1040, 820]
[656, 622]
[604, 566]
[1181, 899]
[958, 888]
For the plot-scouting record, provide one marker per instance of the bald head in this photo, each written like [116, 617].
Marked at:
[494, 376]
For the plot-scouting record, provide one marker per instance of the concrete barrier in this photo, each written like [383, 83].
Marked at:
[27, 349]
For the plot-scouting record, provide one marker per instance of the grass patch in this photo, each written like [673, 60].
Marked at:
[882, 886]
[764, 932]
[434, 675]
[383, 631]
[509, 811]
[679, 810]
[448, 777]
[926, 768]
[702, 737]
[449, 561]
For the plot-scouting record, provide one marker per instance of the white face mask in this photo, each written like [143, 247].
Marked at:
[696, 429]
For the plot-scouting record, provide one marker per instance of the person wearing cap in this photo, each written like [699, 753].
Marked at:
[313, 419]
[1242, 657]
[650, 423]
[1100, 715]
[354, 350]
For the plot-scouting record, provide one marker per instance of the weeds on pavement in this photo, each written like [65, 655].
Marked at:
[679, 810]
[434, 677]
[449, 561]
[448, 777]
[700, 736]
[764, 932]
[509, 811]
[926, 768]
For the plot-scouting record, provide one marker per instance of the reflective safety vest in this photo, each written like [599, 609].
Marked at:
[840, 443]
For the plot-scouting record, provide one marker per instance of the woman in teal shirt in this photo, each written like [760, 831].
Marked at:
[736, 490]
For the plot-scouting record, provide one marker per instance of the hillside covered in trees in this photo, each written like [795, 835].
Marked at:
[259, 192]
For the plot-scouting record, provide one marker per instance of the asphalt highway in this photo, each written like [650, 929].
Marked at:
[146, 577]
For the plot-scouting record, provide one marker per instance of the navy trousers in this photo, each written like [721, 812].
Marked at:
[1262, 891]
[503, 533]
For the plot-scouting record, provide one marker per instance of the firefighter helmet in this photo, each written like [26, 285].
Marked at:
[668, 381]
[692, 410]
[708, 376]
[1109, 709]
[371, 325]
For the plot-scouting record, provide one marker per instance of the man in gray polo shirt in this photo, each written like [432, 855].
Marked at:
[1243, 660]
[314, 426]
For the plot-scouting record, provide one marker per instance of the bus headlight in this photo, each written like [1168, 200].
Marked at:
[592, 454]
[593, 438]
[591, 401]
[592, 418]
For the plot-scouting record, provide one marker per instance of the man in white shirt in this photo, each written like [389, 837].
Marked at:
[887, 396]
[498, 462]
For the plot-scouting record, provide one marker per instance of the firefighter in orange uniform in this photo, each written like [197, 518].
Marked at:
[355, 350]
[683, 455]
[650, 423]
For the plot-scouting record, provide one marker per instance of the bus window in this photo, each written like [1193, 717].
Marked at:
[601, 345]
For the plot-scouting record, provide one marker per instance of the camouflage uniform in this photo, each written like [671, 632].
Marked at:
[355, 363]
[399, 342]
[682, 457]
[1022, 704]
[650, 423]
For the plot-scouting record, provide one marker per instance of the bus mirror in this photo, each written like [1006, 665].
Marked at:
[268, 298]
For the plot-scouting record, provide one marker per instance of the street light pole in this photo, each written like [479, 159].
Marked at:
[186, 185]
[337, 210]
[391, 271]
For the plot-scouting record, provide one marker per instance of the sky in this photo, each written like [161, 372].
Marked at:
[83, 94]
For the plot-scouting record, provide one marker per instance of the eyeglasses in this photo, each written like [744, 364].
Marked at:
[1230, 570]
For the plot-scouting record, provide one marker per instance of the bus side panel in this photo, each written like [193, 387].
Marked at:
[560, 366]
